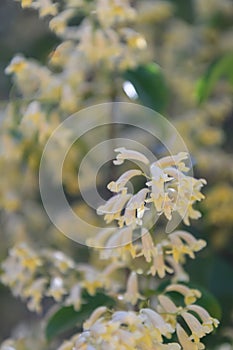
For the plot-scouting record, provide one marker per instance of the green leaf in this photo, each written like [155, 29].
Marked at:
[149, 83]
[208, 301]
[67, 317]
[222, 67]
[184, 9]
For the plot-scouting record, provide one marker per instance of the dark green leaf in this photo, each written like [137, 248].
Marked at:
[208, 301]
[67, 318]
[184, 9]
[222, 67]
[150, 86]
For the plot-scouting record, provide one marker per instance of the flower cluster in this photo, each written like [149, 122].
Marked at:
[103, 33]
[32, 276]
[101, 39]
[145, 329]
[168, 188]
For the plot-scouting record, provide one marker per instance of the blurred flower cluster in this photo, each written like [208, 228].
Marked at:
[136, 267]
[32, 276]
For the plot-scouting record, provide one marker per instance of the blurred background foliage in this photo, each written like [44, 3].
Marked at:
[191, 85]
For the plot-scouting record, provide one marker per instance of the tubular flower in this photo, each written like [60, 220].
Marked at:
[125, 154]
[185, 341]
[135, 208]
[111, 12]
[32, 277]
[183, 243]
[107, 40]
[159, 264]
[190, 295]
[132, 293]
[119, 185]
[113, 208]
[17, 65]
[197, 329]
[207, 320]
[169, 189]
[147, 246]
[125, 329]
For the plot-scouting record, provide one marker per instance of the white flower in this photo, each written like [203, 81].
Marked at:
[207, 320]
[45, 7]
[198, 330]
[182, 243]
[190, 295]
[75, 297]
[35, 293]
[58, 24]
[176, 160]
[56, 289]
[127, 317]
[158, 265]
[184, 339]
[152, 317]
[132, 293]
[94, 317]
[147, 245]
[114, 11]
[167, 305]
[129, 155]
[135, 208]
[113, 207]
[17, 65]
[119, 185]
[159, 178]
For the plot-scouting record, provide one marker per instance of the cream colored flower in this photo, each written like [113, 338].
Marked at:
[154, 319]
[132, 292]
[198, 330]
[134, 40]
[111, 12]
[27, 257]
[125, 154]
[26, 3]
[61, 261]
[175, 160]
[119, 185]
[91, 280]
[205, 317]
[190, 295]
[17, 65]
[147, 245]
[179, 275]
[119, 243]
[167, 305]
[75, 297]
[159, 178]
[35, 292]
[135, 208]
[185, 341]
[94, 317]
[113, 207]
[56, 289]
[182, 243]
[69, 99]
[159, 265]
[125, 330]
[45, 7]
[168, 310]
[58, 24]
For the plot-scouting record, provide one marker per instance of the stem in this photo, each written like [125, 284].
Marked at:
[112, 126]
